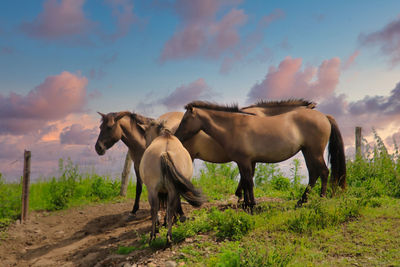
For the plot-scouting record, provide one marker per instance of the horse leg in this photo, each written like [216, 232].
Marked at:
[138, 191]
[246, 177]
[172, 207]
[239, 190]
[324, 174]
[316, 167]
[155, 205]
[179, 210]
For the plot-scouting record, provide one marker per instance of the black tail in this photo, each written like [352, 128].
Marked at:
[183, 186]
[336, 155]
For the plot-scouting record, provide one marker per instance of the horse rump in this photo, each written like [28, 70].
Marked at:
[182, 185]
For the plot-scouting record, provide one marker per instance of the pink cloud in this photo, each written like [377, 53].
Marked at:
[65, 20]
[200, 33]
[250, 42]
[379, 112]
[350, 61]
[54, 99]
[76, 134]
[182, 95]
[186, 93]
[387, 39]
[59, 20]
[289, 81]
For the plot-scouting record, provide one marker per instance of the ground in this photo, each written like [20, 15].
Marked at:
[84, 236]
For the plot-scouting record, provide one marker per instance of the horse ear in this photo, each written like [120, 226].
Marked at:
[101, 114]
[189, 108]
[143, 126]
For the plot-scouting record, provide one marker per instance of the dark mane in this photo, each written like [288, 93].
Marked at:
[140, 119]
[284, 103]
[213, 106]
[161, 129]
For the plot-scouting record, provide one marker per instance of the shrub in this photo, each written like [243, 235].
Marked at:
[320, 213]
[10, 202]
[218, 180]
[104, 188]
[231, 224]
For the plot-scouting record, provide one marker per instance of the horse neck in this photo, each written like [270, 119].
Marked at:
[216, 123]
[132, 136]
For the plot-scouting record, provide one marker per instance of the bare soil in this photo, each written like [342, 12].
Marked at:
[86, 236]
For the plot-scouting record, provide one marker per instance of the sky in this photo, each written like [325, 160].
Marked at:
[61, 61]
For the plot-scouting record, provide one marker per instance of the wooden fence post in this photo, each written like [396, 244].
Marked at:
[25, 185]
[358, 141]
[125, 174]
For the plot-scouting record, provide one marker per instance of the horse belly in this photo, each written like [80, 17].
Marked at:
[277, 146]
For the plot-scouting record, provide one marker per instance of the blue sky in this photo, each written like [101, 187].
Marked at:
[63, 60]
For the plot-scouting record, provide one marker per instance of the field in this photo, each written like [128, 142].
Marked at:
[79, 220]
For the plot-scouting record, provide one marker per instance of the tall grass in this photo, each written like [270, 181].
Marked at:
[376, 173]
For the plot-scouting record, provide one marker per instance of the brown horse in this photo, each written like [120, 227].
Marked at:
[166, 169]
[248, 139]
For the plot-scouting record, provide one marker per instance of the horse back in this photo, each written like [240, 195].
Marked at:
[171, 120]
[150, 166]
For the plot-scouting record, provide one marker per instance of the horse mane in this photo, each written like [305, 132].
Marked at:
[284, 103]
[140, 119]
[214, 106]
[161, 129]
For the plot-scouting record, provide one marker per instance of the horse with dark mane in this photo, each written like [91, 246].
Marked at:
[248, 139]
[166, 169]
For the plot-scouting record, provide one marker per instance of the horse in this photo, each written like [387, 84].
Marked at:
[248, 139]
[124, 126]
[200, 146]
[166, 169]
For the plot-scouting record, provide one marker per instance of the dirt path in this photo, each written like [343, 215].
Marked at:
[84, 236]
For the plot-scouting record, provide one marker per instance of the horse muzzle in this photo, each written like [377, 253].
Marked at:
[100, 149]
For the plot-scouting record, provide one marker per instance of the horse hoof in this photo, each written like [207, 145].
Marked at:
[169, 241]
[182, 218]
[299, 204]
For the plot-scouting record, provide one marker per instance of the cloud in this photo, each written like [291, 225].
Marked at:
[250, 42]
[379, 112]
[122, 11]
[350, 61]
[59, 19]
[76, 134]
[200, 33]
[182, 95]
[54, 99]
[289, 81]
[6, 50]
[387, 39]
[65, 20]
[186, 93]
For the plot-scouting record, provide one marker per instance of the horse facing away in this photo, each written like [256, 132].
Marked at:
[248, 139]
[166, 169]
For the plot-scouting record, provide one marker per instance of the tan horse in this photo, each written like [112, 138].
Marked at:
[248, 139]
[166, 169]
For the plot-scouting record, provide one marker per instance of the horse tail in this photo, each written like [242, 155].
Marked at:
[336, 155]
[182, 185]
